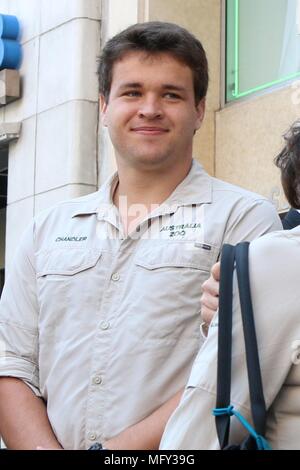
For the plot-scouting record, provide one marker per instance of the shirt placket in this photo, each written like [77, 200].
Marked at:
[116, 270]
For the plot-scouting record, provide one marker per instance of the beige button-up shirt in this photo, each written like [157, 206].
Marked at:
[105, 326]
[274, 265]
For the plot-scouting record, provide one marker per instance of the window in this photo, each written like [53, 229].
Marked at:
[262, 45]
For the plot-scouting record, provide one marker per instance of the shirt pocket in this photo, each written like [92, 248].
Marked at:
[68, 283]
[166, 291]
[63, 263]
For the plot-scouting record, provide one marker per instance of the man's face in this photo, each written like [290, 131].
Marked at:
[151, 112]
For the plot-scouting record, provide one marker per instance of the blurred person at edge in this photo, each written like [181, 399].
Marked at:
[100, 313]
[274, 265]
[291, 219]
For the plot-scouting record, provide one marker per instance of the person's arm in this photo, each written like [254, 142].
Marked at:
[23, 419]
[146, 434]
[210, 295]
[24, 423]
[247, 222]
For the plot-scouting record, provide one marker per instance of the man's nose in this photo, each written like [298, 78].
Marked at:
[150, 108]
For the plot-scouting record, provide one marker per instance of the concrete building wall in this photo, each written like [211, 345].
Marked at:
[249, 135]
[56, 156]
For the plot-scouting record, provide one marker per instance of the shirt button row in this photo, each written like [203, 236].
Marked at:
[115, 277]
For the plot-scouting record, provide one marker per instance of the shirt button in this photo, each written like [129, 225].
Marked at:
[104, 325]
[97, 380]
[115, 276]
[91, 436]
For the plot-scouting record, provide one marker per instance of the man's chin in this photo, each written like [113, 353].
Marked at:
[151, 161]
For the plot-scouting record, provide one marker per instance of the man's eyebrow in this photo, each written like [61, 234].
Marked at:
[165, 86]
[130, 85]
[171, 86]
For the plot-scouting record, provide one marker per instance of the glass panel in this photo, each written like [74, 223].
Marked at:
[262, 44]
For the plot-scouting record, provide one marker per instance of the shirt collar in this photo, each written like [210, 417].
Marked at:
[196, 188]
[99, 203]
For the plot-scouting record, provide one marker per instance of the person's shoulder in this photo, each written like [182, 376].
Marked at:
[240, 206]
[281, 245]
[223, 189]
[220, 190]
[274, 266]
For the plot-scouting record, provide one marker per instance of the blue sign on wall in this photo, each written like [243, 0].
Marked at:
[10, 48]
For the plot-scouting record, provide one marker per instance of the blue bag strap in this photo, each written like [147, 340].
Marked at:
[224, 343]
[257, 400]
[224, 410]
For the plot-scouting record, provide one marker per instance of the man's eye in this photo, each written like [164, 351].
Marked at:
[132, 93]
[172, 96]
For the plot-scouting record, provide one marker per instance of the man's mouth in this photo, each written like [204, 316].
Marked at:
[149, 130]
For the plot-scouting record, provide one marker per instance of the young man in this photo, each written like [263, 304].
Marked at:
[100, 314]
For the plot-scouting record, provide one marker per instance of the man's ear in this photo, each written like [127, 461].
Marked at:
[200, 110]
[103, 109]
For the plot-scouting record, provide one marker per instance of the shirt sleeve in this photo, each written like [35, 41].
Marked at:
[250, 220]
[19, 318]
[275, 292]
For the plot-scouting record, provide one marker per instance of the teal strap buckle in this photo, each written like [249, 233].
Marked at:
[262, 443]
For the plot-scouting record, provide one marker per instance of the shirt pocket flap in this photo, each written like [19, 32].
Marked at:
[66, 263]
[176, 255]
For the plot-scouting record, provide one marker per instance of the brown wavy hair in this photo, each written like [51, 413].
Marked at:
[288, 160]
[155, 37]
